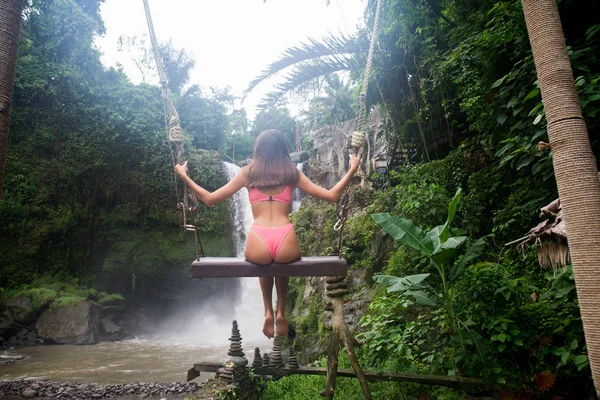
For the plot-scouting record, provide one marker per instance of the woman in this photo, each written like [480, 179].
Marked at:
[270, 179]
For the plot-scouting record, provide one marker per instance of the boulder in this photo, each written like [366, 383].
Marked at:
[70, 324]
[22, 310]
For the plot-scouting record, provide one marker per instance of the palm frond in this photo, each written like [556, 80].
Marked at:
[334, 47]
[305, 73]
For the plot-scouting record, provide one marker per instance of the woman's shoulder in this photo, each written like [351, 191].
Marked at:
[243, 172]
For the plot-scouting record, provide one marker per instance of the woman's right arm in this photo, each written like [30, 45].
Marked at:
[212, 198]
[331, 195]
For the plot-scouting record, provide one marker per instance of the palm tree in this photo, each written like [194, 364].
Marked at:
[311, 60]
[334, 106]
[10, 25]
[574, 164]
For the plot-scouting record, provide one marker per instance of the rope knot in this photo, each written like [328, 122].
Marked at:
[358, 138]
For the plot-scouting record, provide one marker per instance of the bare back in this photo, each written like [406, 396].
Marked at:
[271, 214]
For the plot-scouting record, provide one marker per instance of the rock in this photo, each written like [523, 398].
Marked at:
[71, 324]
[299, 157]
[331, 144]
[28, 393]
[22, 311]
[109, 327]
[112, 331]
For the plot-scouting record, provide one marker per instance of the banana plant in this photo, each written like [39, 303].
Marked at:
[441, 250]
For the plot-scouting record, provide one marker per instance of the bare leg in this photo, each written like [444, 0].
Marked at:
[281, 284]
[266, 286]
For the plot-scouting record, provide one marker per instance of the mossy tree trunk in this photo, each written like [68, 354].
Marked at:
[574, 163]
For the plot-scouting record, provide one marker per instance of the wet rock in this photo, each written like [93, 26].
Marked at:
[9, 358]
[72, 391]
[71, 324]
[29, 393]
[108, 327]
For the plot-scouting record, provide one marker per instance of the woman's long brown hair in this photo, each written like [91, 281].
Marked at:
[271, 164]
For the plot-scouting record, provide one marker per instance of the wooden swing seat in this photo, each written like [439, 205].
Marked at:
[232, 267]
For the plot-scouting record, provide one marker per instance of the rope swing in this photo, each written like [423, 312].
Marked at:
[189, 202]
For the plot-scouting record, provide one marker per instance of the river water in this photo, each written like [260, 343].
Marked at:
[164, 356]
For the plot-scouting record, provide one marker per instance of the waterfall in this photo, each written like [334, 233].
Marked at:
[249, 312]
[241, 213]
[296, 194]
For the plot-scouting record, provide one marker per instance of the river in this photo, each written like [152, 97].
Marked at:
[150, 359]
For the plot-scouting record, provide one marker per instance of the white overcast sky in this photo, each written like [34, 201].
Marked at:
[232, 41]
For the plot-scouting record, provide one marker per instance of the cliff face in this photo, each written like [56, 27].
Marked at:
[331, 144]
[310, 314]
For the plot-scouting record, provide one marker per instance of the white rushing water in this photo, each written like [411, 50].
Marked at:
[249, 312]
[296, 195]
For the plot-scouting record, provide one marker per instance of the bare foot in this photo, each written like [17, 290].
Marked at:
[282, 325]
[268, 328]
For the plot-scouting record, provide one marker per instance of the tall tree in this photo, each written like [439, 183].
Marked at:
[10, 23]
[574, 163]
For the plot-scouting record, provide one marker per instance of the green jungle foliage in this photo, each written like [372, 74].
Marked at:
[89, 193]
[57, 291]
[89, 188]
[458, 81]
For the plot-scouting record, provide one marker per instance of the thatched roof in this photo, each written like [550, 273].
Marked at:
[549, 237]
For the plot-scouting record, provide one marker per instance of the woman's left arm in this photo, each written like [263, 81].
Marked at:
[212, 198]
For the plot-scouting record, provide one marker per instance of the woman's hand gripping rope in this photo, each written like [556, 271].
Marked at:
[181, 169]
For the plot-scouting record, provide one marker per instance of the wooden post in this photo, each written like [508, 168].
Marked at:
[336, 289]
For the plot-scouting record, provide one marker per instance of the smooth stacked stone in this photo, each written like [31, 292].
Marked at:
[265, 360]
[276, 359]
[226, 373]
[235, 348]
[293, 360]
[257, 362]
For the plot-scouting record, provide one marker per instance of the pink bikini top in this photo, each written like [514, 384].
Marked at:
[256, 195]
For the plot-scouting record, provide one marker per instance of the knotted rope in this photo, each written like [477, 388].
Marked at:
[358, 136]
[189, 203]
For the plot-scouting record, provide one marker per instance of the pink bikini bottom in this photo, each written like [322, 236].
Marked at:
[273, 237]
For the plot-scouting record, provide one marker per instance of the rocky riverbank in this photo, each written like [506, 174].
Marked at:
[32, 388]
[58, 316]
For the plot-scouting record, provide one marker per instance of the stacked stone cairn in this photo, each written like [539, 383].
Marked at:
[276, 358]
[265, 360]
[235, 371]
[257, 362]
[226, 373]
[293, 360]
[235, 348]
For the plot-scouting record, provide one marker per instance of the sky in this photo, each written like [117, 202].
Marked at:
[232, 41]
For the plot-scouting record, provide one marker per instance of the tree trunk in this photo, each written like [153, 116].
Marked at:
[10, 24]
[574, 164]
